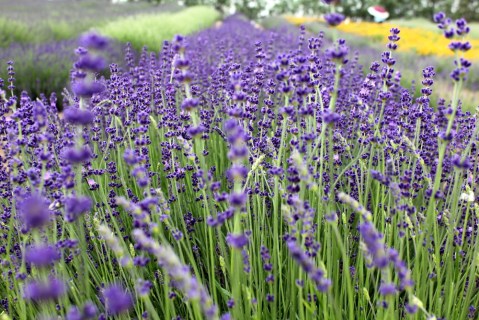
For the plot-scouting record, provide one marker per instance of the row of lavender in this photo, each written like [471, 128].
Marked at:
[240, 174]
[44, 68]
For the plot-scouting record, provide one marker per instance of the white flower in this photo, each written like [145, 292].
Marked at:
[467, 196]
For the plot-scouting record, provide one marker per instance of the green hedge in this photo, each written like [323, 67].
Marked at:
[152, 29]
[12, 31]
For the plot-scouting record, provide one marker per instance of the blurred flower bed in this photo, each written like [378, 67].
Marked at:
[45, 68]
[420, 41]
[44, 56]
[40, 21]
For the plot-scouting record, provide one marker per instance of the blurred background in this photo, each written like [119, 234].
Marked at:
[40, 35]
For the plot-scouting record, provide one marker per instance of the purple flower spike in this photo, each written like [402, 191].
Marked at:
[190, 104]
[74, 155]
[374, 243]
[74, 314]
[387, 289]
[237, 172]
[87, 89]
[131, 157]
[316, 274]
[88, 312]
[117, 299]
[393, 38]
[337, 53]
[334, 19]
[411, 308]
[76, 206]
[42, 255]
[331, 117]
[39, 291]
[141, 175]
[439, 17]
[34, 211]
[40, 114]
[91, 63]
[94, 41]
[77, 116]
[80, 51]
[237, 241]
[237, 200]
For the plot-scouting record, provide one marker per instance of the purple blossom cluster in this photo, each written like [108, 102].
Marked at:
[239, 173]
[457, 32]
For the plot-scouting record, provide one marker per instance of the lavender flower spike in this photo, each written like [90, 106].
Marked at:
[179, 273]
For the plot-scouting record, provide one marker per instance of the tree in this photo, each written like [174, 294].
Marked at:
[468, 9]
[351, 8]
[251, 9]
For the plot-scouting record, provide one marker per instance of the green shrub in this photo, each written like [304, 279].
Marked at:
[61, 30]
[13, 31]
[152, 29]
[273, 22]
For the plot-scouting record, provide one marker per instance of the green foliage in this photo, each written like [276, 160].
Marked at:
[251, 9]
[62, 30]
[152, 29]
[13, 31]
[273, 22]
[468, 9]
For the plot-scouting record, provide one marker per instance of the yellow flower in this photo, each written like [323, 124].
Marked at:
[420, 41]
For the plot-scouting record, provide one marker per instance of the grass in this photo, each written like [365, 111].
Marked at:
[12, 31]
[273, 22]
[152, 29]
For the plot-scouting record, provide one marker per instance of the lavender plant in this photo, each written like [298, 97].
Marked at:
[240, 174]
[44, 68]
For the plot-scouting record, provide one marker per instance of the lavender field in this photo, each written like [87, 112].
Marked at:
[240, 173]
